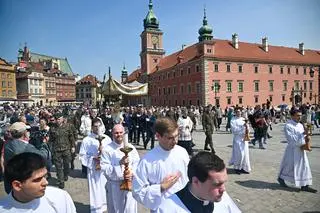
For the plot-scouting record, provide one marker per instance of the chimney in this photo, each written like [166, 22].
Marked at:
[183, 46]
[180, 59]
[235, 41]
[301, 48]
[265, 45]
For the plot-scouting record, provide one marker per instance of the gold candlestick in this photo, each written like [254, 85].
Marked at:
[126, 184]
[98, 158]
[246, 134]
[308, 132]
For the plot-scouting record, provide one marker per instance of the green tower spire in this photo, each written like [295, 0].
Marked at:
[151, 21]
[205, 32]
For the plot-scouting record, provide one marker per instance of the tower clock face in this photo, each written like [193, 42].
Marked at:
[154, 39]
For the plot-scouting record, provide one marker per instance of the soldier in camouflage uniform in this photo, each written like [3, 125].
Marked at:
[61, 138]
[207, 123]
[70, 122]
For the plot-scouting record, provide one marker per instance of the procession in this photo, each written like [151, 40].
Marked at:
[159, 106]
[99, 167]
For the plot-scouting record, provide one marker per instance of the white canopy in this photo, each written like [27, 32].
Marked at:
[113, 87]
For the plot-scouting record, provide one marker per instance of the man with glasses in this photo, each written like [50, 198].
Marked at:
[163, 170]
[90, 154]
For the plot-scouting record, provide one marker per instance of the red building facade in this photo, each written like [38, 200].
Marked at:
[225, 72]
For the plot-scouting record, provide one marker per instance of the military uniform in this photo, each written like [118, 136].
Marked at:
[207, 123]
[62, 140]
[75, 136]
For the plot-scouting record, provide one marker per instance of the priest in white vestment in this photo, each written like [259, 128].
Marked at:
[89, 157]
[240, 148]
[113, 160]
[205, 192]
[163, 170]
[295, 164]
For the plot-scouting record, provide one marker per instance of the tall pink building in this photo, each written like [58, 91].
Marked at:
[225, 72]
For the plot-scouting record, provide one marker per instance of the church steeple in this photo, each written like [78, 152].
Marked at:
[124, 74]
[151, 44]
[151, 21]
[205, 32]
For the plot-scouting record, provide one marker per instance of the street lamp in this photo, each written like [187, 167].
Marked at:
[296, 98]
[216, 89]
[315, 99]
[311, 72]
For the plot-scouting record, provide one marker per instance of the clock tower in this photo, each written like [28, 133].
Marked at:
[151, 44]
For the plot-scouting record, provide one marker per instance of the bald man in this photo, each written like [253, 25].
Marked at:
[112, 164]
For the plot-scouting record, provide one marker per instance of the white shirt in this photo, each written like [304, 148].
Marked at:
[54, 201]
[153, 168]
[175, 205]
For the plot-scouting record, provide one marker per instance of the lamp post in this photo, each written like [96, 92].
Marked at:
[315, 99]
[216, 89]
[296, 99]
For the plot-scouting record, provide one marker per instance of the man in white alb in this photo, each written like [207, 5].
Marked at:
[112, 162]
[90, 154]
[163, 170]
[240, 148]
[27, 173]
[295, 166]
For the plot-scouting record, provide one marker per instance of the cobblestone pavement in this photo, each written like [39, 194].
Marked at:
[255, 192]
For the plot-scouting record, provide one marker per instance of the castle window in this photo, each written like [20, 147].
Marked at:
[216, 67]
[197, 68]
[228, 68]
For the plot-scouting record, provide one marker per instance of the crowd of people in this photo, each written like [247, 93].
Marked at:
[168, 178]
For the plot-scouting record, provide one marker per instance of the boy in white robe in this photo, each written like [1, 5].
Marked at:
[163, 170]
[295, 164]
[113, 160]
[240, 148]
[205, 192]
[27, 173]
[89, 157]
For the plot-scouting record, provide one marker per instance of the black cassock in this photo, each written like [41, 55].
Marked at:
[193, 204]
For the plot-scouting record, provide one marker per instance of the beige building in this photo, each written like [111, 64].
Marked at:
[8, 91]
[31, 85]
[50, 88]
[87, 90]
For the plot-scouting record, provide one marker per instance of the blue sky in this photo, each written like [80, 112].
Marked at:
[100, 33]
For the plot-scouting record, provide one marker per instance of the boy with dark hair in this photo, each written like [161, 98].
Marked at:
[205, 192]
[26, 174]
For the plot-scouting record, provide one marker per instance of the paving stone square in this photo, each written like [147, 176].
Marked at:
[258, 191]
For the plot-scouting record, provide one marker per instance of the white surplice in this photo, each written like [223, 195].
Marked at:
[174, 205]
[153, 168]
[54, 200]
[85, 127]
[96, 179]
[295, 164]
[240, 149]
[118, 201]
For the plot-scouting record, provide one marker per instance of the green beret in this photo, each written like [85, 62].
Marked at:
[58, 115]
